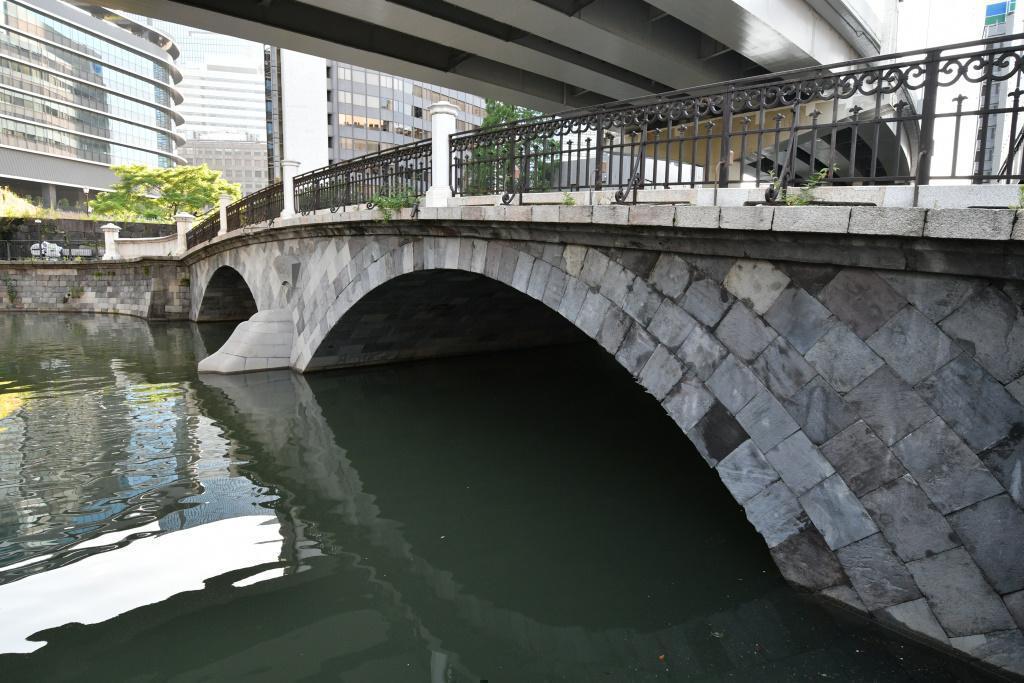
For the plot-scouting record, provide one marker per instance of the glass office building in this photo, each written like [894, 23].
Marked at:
[81, 89]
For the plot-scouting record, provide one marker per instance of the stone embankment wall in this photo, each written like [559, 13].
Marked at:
[156, 289]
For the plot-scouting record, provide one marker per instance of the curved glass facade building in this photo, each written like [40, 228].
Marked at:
[82, 88]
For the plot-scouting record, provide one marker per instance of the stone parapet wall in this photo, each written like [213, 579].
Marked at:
[156, 289]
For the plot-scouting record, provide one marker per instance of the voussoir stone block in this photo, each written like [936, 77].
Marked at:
[733, 384]
[744, 333]
[636, 349]
[877, 574]
[806, 560]
[843, 358]
[837, 513]
[745, 472]
[701, 353]
[671, 275]
[993, 532]
[1006, 462]
[909, 520]
[717, 434]
[706, 301]
[961, 598]
[758, 283]
[641, 302]
[916, 617]
[687, 404]
[660, 373]
[776, 514]
[671, 324]
[782, 368]
[799, 463]
[766, 421]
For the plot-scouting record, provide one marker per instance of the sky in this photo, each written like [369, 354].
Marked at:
[925, 23]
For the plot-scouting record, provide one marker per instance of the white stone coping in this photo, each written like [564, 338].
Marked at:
[894, 217]
[977, 224]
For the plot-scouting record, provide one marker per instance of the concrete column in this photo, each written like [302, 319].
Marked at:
[110, 233]
[183, 221]
[442, 124]
[224, 201]
[288, 169]
[50, 194]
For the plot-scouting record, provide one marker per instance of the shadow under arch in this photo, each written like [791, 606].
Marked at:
[439, 313]
[227, 298]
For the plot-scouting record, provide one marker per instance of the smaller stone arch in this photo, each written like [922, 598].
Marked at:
[227, 297]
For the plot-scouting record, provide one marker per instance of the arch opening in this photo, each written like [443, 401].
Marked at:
[227, 298]
[440, 313]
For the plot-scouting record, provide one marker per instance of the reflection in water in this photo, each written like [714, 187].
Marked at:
[529, 516]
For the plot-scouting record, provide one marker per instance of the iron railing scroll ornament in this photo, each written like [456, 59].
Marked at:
[204, 230]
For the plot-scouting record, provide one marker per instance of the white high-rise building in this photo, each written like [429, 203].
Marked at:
[223, 90]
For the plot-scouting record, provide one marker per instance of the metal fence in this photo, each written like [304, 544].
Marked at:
[204, 230]
[871, 121]
[864, 122]
[259, 207]
[51, 250]
[403, 169]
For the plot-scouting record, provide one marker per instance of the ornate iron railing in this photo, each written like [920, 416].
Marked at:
[261, 206]
[204, 230]
[359, 181]
[868, 121]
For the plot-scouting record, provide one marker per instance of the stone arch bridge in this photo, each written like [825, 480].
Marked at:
[859, 395]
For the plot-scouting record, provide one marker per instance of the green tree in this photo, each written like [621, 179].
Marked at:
[14, 210]
[159, 193]
[495, 168]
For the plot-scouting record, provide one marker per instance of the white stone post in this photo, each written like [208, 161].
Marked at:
[183, 221]
[442, 124]
[110, 233]
[224, 201]
[288, 169]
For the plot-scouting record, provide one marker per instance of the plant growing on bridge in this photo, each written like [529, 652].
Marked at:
[12, 289]
[568, 199]
[393, 200]
[805, 195]
[159, 193]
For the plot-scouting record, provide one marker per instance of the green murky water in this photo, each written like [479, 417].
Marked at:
[528, 516]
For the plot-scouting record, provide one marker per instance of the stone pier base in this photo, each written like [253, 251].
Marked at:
[263, 342]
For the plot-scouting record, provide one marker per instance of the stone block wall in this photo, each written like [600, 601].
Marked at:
[870, 422]
[155, 289]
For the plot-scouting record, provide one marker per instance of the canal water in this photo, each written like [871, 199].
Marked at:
[519, 517]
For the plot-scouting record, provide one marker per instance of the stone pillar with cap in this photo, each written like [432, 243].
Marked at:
[110, 233]
[442, 124]
[183, 221]
[225, 199]
[288, 169]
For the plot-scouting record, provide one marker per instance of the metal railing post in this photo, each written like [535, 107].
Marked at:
[929, 101]
[724, 151]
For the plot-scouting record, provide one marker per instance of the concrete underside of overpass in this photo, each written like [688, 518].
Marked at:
[547, 54]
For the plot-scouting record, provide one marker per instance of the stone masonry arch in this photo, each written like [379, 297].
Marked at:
[226, 297]
[875, 451]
